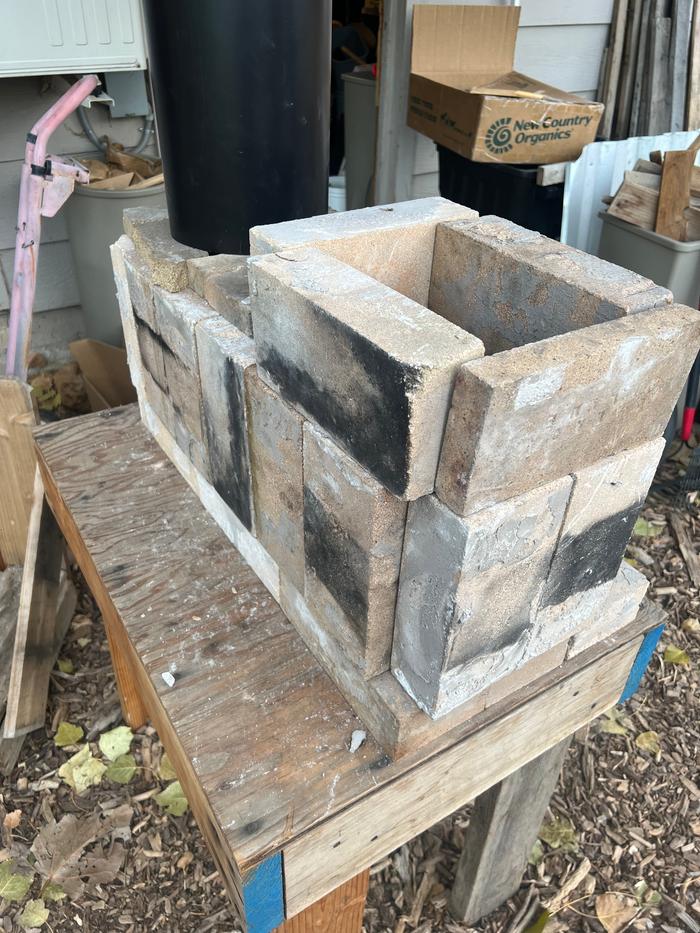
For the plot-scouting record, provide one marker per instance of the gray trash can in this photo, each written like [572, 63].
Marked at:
[94, 219]
[360, 136]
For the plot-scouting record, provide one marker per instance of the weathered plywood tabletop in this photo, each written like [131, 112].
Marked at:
[258, 732]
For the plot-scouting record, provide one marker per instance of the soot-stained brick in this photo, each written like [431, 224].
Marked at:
[338, 561]
[590, 558]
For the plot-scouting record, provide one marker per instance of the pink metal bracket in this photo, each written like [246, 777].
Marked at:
[46, 184]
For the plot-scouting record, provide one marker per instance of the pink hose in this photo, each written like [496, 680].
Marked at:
[31, 191]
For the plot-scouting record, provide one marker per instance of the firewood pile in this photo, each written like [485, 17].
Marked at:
[662, 194]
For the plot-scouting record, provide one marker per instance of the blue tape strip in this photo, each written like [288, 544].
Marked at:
[646, 650]
[263, 896]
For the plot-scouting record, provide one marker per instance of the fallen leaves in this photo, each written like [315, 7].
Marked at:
[648, 742]
[122, 769]
[68, 734]
[559, 834]
[34, 915]
[615, 911]
[166, 772]
[647, 529]
[83, 770]
[614, 722]
[675, 655]
[173, 799]
[691, 627]
[13, 885]
[116, 742]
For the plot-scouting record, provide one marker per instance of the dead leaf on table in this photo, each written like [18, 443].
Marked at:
[615, 911]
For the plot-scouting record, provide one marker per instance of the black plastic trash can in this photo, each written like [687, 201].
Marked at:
[510, 191]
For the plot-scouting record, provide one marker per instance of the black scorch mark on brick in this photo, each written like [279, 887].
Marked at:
[337, 560]
[229, 459]
[591, 557]
[373, 424]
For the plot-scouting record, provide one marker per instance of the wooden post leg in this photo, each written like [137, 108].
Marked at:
[341, 911]
[500, 836]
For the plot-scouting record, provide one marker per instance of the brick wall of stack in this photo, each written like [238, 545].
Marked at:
[429, 433]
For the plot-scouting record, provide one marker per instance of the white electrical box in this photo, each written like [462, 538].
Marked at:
[71, 37]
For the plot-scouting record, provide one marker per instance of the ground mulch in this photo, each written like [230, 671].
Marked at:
[623, 827]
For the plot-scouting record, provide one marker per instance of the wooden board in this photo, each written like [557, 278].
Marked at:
[637, 204]
[692, 119]
[17, 465]
[341, 911]
[678, 63]
[258, 733]
[40, 628]
[612, 67]
[658, 110]
[628, 70]
[637, 125]
[674, 195]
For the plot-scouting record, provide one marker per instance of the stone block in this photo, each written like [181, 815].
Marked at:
[392, 243]
[139, 283]
[276, 439]
[353, 536]
[184, 390]
[511, 286]
[149, 229]
[524, 417]
[468, 591]
[151, 350]
[159, 402]
[177, 316]
[624, 597]
[224, 354]
[223, 282]
[605, 502]
[372, 367]
[118, 251]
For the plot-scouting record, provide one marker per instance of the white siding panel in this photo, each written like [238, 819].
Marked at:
[565, 12]
[426, 186]
[56, 285]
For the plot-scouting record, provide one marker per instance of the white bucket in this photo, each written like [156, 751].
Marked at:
[336, 193]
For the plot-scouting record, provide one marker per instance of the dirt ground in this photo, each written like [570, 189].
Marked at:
[621, 841]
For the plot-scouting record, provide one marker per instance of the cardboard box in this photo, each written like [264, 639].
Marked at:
[105, 373]
[464, 94]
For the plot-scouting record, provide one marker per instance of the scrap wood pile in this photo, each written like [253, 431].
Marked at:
[120, 169]
[650, 75]
[662, 194]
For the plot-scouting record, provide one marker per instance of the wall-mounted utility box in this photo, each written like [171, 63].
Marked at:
[72, 37]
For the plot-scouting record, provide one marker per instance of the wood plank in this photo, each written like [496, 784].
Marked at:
[687, 548]
[638, 115]
[613, 64]
[341, 911]
[39, 636]
[674, 194]
[17, 467]
[553, 174]
[502, 830]
[245, 728]
[692, 117]
[637, 204]
[342, 845]
[628, 69]
[678, 61]
[658, 102]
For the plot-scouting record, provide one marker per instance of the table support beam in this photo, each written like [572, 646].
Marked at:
[341, 911]
[501, 834]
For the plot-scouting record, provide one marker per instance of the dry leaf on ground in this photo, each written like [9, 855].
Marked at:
[615, 911]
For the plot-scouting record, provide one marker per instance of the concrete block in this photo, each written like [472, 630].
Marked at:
[353, 536]
[177, 316]
[524, 417]
[468, 591]
[139, 284]
[126, 312]
[392, 243]
[224, 354]
[624, 598]
[223, 282]
[275, 439]
[511, 286]
[184, 390]
[149, 230]
[151, 350]
[159, 402]
[370, 366]
[605, 502]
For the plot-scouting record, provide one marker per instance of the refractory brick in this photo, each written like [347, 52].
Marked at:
[276, 438]
[511, 286]
[522, 418]
[224, 354]
[353, 536]
[468, 591]
[370, 366]
[392, 243]
[149, 230]
[223, 283]
[177, 315]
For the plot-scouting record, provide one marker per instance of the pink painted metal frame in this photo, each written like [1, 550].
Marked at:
[46, 183]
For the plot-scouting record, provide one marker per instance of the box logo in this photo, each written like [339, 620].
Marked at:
[498, 136]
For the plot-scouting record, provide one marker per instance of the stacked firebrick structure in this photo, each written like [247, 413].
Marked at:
[429, 433]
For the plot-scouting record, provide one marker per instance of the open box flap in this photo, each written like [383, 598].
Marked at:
[515, 84]
[473, 39]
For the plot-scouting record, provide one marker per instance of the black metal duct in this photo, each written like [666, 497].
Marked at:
[242, 106]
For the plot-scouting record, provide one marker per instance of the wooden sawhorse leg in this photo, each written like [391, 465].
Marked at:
[501, 834]
[341, 911]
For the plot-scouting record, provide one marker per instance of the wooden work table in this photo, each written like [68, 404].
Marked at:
[258, 733]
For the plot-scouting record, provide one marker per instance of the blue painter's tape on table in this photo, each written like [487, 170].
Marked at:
[263, 896]
[646, 650]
